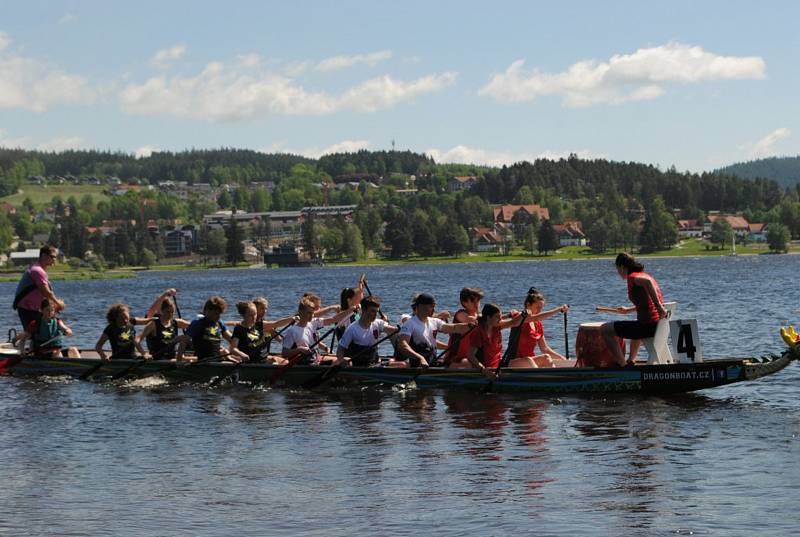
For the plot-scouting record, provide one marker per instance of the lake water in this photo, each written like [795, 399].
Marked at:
[82, 458]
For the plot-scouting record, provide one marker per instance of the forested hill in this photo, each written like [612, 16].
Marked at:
[783, 170]
[547, 182]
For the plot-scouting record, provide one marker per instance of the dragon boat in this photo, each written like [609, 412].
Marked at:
[644, 378]
[680, 368]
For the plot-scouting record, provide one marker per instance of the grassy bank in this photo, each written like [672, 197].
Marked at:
[687, 248]
[63, 273]
[42, 194]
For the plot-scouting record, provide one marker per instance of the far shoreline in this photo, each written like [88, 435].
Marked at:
[565, 254]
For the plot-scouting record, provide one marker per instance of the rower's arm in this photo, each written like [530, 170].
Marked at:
[647, 283]
[182, 348]
[339, 316]
[326, 310]
[146, 332]
[155, 307]
[269, 326]
[472, 358]
[458, 328]
[66, 330]
[406, 350]
[390, 329]
[512, 322]
[548, 349]
[541, 316]
[234, 349]
[99, 346]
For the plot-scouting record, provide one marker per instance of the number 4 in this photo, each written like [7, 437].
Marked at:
[686, 341]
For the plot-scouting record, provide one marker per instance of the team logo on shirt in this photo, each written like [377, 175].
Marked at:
[375, 333]
[213, 333]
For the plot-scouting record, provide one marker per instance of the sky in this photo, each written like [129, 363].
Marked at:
[697, 85]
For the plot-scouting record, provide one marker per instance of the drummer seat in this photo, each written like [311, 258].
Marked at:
[657, 346]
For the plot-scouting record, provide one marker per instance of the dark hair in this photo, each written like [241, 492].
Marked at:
[346, 294]
[45, 304]
[534, 295]
[243, 306]
[370, 302]
[215, 303]
[49, 250]
[470, 293]
[629, 262]
[167, 305]
[487, 311]
[114, 311]
[423, 298]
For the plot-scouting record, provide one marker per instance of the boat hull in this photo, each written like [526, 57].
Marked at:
[657, 379]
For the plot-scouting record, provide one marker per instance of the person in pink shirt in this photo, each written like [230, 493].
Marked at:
[34, 287]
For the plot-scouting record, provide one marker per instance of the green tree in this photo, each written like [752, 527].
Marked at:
[214, 242]
[548, 240]
[399, 234]
[309, 235]
[332, 241]
[660, 230]
[353, 243]
[454, 239]
[6, 234]
[234, 248]
[147, 258]
[224, 200]
[721, 232]
[425, 243]
[260, 200]
[778, 237]
[524, 196]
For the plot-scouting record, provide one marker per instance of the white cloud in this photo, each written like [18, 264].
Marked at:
[62, 144]
[13, 143]
[765, 147]
[244, 90]
[144, 151]
[341, 62]
[163, 57]
[56, 144]
[629, 77]
[35, 85]
[462, 154]
[345, 146]
[67, 18]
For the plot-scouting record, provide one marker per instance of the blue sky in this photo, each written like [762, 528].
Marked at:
[691, 84]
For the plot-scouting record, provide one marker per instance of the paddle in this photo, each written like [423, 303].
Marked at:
[334, 370]
[297, 357]
[236, 367]
[92, 370]
[369, 293]
[175, 364]
[566, 338]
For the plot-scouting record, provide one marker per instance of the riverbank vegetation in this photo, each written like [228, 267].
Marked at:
[112, 206]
